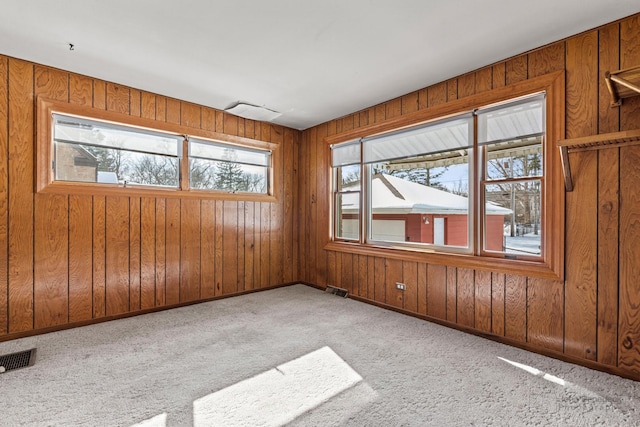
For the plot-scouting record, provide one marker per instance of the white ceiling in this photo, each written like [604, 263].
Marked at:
[310, 60]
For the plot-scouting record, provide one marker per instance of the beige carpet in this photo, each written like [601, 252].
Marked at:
[298, 356]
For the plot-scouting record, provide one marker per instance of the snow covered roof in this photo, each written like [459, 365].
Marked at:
[391, 194]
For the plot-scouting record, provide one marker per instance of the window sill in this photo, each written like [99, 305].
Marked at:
[78, 188]
[538, 269]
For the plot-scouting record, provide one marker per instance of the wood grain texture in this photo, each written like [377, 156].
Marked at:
[99, 94]
[545, 305]
[161, 252]
[363, 276]
[172, 249]
[322, 204]
[332, 269]
[20, 196]
[148, 105]
[230, 248]
[379, 275]
[410, 103]
[161, 108]
[466, 297]
[582, 85]
[483, 301]
[289, 214]
[546, 60]
[607, 254]
[452, 90]
[393, 274]
[117, 98]
[452, 294]
[393, 109]
[484, 79]
[51, 276]
[422, 288]
[51, 83]
[257, 245]
[346, 270]
[135, 103]
[99, 252]
[249, 244]
[608, 60]
[497, 303]
[191, 115]
[190, 230]
[312, 207]
[173, 111]
[80, 257]
[265, 249]
[629, 320]
[147, 253]
[241, 280]
[466, 85]
[117, 255]
[4, 193]
[516, 69]
[410, 279]
[437, 291]
[581, 242]
[499, 75]
[135, 231]
[437, 94]
[515, 307]
[207, 248]
[80, 90]
[630, 57]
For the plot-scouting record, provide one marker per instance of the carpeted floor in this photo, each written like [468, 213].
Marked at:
[298, 355]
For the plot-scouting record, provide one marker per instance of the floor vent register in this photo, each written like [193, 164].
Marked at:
[337, 291]
[13, 361]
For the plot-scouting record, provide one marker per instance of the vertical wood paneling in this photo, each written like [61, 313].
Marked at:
[277, 219]
[452, 294]
[249, 245]
[80, 257]
[230, 248]
[51, 83]
[257, 244]
[161, 108]
[608, 60]
[629, 57]
[190, 250]
[322, 204]
[4, 192]
[241, 280]
[629, 323]
[135, 103]
[51, 279]
[437, 94]
[173, 111]
[516, 69]
[148, 105]
[219, 227]
[608, 237]
[134, 253]
[393, 108]
[422, 288]
[363, 276]
[582, 85]
[483, 301]
[545, 304]
[515, 307]
[410, 103]
[117, 255]
[546, 60]
[312, 207]
[581, 242]
[207, 248]
[147, 253]
[499, 75]
[437, 291]
[410, 279]
[20, 189]
[161, 251]
[117, 98]
[497, 303]
[452, 90]
[99, 251]
[467, 85]
[466, 297]
[100, 94]
[332, 269]
[288, 230]
[484, 79]
[80, 90]
[379, 275]
[393, 270]
[172, 249]
[191, 115]
[265, 224]
[346, 270]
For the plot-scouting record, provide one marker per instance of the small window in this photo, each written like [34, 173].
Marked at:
[345, 159]
[226, 167]
[106, 153]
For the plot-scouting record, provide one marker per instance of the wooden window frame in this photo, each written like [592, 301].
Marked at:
[551, 264]
[45, 180]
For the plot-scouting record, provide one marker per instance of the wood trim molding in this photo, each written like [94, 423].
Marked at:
[44, 179]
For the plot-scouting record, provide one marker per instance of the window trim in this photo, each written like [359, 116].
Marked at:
[552, 264]
[45, 180]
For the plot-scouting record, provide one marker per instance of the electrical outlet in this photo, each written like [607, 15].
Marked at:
[400, 286]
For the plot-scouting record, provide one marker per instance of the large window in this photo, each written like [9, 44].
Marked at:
[95, 151]
[468, 183]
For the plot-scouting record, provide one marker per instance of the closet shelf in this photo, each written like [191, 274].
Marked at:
[594, 142]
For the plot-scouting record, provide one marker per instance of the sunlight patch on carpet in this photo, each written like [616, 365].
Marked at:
[157, 421]
[278, 396]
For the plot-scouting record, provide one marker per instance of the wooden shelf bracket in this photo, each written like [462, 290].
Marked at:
[623, 84]
[594, 142]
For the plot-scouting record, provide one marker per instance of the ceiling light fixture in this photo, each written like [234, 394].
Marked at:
[254, 112]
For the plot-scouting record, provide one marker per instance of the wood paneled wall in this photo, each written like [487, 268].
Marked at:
[73, 258]
[594, 315]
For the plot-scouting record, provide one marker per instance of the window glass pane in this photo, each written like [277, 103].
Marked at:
[512, 217]
[228, 176]
[347, 153]
[348, 178]
[228, 153]
[347, 216]
[428, 194]
[511, 120]
[514, 159]
[86, 163]
[431, 138]
[83, 131]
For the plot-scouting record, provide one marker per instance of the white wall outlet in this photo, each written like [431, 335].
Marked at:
[400, 286]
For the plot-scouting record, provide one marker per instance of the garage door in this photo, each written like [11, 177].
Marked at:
[388, 230]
